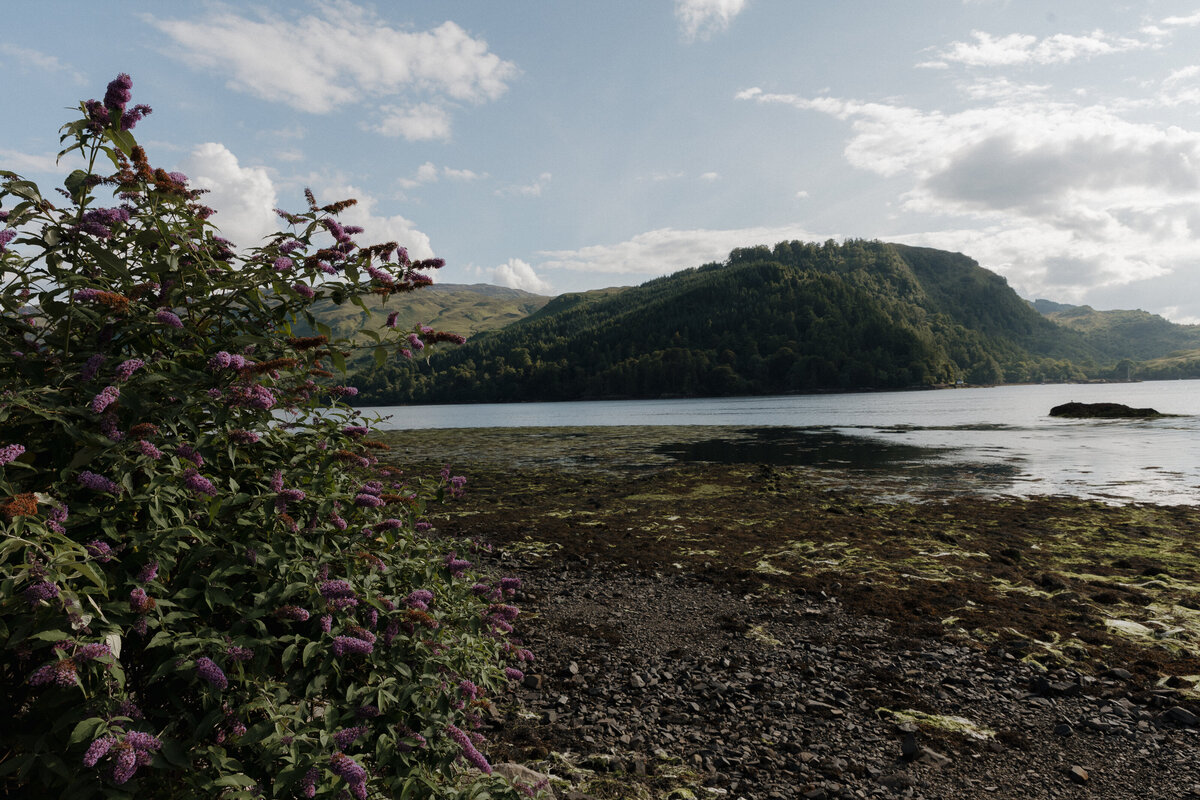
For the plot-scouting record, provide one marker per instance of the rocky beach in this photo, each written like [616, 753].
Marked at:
[754, 631]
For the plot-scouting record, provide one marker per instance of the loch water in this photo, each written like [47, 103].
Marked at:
[998, 441]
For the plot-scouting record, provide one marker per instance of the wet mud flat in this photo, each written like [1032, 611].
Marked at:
[794, 630]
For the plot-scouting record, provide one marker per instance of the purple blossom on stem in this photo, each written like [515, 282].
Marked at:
[56, 518]
[126, 764]
[139, 602]
[345, 737]
[468, 688]
[415, 341]
[236, 653]
[352, 645]
[331, 590]
[97, 483]
[148, 450]
[198, 483]
[294, 613]
[98, 749]
[419, 599]
[169, 318]
[6, 236]
[91, 366]
[118, 92]
[245, 437]
[308, 784]
[41, 590]
[108, 395]
[343, 391]
[143, 741]
[510, 585]
[391, 319]
[304, 291]
[60, 673]
[456, 565]
[207, 669]
[92, 651]
[365, 500]
[190, 453]
[148, 572]
[283, 264]
[101, 551]
[347, 769]
[221, 360]
[356, 430]
[513, 674]
[10, 453]
[127, 367]
[326, 623]
[468, 750]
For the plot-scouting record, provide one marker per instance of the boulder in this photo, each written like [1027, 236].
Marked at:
[1103, 411]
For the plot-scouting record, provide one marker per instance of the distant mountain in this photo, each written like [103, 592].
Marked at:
[1137, 335]
[796, 317]
[465, 309]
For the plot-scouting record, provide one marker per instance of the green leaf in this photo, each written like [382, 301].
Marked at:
[339, 360]
[86, 729]
[237, 780]
[380, 356]
[309, 649]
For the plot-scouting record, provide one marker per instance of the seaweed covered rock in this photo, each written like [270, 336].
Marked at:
[1103, 411]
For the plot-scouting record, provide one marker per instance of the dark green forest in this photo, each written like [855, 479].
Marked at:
[798, 317]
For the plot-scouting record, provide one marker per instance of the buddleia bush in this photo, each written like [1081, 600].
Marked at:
[210, 583]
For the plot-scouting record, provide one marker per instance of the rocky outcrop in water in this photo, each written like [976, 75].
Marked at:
[1103, 411]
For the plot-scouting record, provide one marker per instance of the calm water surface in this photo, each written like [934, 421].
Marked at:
[993, 440]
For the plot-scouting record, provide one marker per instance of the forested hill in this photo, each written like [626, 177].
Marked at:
[1129, 334]
[796, 317]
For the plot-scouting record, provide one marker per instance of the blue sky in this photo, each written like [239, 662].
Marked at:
[560, 146]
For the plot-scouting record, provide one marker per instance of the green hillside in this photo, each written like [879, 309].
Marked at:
[465, 309]
[1137, 335]
[796, 317]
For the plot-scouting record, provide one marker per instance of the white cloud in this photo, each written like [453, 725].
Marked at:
[464, 175]
[29, 60]
[244, 197]
[801, 195]
[35, 163]
[1183, 22]
[1018, 49]
[377, 226]
[416, 123]
[344, 55]
[516, 274]
[700, 19]
[526, 190]
[667, 250]
[1064, 196]
[710, 176]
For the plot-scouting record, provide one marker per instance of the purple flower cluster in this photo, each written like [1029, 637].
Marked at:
[197, 483]
[91, 366]
[514, 674]
[468, 688]
[283, 264]
[98, 749]
[101, 551]
[308, 784]
[148, 572]
[169, 318]
[236, 653]
[245, 437]
[391, 319]
[190, 453]
[389, 524]
[345, 737]
[207, 669]
[41, 590]
[326, 623]
[419, 599]
[415, 341]
[92, 651]
[139, 602]
[304, 291]
[343, 391]
[468, 749]
[349, 770]
[365, 500]
[356, 430]
[223, 360]
[352, 645]
[97, 483]
[127, 367]
[251, 396]
[10, 453]
[148, 450]
[60, 673]
[456, 565]
[99, 222]
[108, 395]
[56, 518]
[294, 613]
[6, 236]
[509, 586]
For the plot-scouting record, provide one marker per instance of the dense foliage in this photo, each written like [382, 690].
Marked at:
[210, 586]
[796, 317]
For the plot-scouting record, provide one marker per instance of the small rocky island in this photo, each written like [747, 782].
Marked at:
[1103, 411]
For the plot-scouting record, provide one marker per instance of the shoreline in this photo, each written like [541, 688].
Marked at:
[793, 586]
